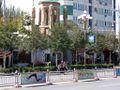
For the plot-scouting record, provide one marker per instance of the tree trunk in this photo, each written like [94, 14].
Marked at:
[110, 57]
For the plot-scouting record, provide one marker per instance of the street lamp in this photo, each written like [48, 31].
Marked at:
[85, 17]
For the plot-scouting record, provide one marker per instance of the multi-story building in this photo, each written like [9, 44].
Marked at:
[118, 19]
[102, 11]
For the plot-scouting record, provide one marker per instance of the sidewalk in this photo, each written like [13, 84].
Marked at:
[36, 85]
[33, 85]
[24, 86]
[6, 88]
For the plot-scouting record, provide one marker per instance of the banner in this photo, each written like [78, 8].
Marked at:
[117, 70]
[85, 74]
[32, 78]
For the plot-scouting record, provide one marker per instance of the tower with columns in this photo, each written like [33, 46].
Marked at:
[49, 13]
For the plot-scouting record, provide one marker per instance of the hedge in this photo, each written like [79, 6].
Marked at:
[27, 69]
[90, 66]
[53, 68]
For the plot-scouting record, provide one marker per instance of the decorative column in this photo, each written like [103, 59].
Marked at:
[42, 15]
[50, 16]
[65, 15]
[58, 13]
[39, 21]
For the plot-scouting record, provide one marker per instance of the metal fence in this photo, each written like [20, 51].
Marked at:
[9, 80]
[54, 76]
[105, 73]
[61, 76]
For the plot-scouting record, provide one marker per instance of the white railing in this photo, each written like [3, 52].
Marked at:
[55, 76]
[9, 80]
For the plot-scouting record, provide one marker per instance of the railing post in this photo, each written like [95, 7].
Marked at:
[48, 78]
[17, 83]
[75, 75]
[115, 75]
[95, 75]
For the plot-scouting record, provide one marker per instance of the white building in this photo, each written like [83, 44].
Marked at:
[117, 18]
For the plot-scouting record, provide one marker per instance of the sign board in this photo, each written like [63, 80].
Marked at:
[32, 78]
[91, 39]
[85, 74]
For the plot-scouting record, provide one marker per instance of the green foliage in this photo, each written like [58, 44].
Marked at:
[8, 25]
[103, 40]
[59, 40]
[90, 66]
[75, 35]
[27, 69]
[107, 40]
[53, 68]
[8, 40]
[33, 41]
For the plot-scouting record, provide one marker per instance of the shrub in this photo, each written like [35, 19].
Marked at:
[53, 68]
[90, 66]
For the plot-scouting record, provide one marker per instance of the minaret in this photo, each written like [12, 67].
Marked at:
[33, 16]
[0, 8]
[4, 9]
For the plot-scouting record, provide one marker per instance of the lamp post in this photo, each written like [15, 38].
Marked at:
[85, 17]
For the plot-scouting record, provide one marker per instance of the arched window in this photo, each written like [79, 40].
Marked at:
[46, 16]
[39, 22]
[54, 16]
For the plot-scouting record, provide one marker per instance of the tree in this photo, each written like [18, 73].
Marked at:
[76, 37]
[59, 40]
[104, 41]
[107, 41]
[32, 41]
[10, 24]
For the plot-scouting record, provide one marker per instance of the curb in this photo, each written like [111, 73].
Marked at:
[89, 80]
[6, 88]
[36, 85]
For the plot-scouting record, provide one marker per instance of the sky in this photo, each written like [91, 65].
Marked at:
[25, 5]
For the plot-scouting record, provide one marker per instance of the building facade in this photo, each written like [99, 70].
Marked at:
[102, 11]
[46, 14]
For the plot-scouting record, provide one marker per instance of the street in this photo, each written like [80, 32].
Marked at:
[108, 84]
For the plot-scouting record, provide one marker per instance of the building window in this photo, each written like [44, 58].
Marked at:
[39, 22]
[46, 15]
[100, 2]
[105, 3]
[95, 9]
[90, 1]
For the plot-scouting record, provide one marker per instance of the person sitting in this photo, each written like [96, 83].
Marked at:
[63, 66]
